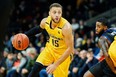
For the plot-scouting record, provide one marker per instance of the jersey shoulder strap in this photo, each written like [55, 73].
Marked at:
[62, 23]
[110, 34]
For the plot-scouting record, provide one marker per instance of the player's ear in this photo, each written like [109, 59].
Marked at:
[105, 27]
[49, 13]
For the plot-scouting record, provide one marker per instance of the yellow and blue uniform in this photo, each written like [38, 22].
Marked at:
[55, 48]
[102, 69]
[110, 34]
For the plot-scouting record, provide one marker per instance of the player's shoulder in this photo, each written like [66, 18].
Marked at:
[43, 20]
[108, 35]
[111, 30]
[103, 39]
[67, 25]
[42, 23]
[67, 28]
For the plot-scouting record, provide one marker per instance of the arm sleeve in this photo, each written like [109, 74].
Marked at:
[35, 30]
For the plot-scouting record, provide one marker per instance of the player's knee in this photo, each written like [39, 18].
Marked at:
[88, 74]
[38, 66]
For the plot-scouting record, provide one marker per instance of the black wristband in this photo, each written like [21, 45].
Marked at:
[35, 30]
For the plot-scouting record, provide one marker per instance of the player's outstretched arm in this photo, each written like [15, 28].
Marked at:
[37, 29]
[104, 45]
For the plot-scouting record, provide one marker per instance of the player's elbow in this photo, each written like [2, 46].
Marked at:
[114, 71]
[71, 50]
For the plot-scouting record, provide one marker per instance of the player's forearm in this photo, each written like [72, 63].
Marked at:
[110, 63]
[35, 30]
[65, 55]
[104, 46]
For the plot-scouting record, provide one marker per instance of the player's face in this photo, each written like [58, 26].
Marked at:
[99, 27]
[55, 13]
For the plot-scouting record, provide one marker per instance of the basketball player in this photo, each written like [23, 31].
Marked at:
[107, 43]
[56, 55]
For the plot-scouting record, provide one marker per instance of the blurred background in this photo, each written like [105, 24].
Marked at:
[21, 15]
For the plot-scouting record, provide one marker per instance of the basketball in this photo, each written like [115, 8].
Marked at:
[20, 41]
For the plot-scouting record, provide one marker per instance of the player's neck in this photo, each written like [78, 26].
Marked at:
[54, 25]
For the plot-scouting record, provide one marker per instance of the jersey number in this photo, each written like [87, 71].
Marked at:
[113, 33]
[55, 43]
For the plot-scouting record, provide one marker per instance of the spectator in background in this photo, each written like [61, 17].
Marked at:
[81, 62]
[83, 28]
[92, 36]
[78, 40]
[40, 41]
[89, 44]
[4, 56]
[8, 63]
[2, 62]
[84, 41]
[90, 61]
[32, 55]
[17, 66]
[7, 42]
[74, 63]
[75, 25]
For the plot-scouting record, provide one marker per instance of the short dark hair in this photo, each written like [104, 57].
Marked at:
[55, 5]
[90, 50]
[104, 21]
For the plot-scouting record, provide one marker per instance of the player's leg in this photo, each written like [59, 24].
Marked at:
[88, 74]
[62, 69]
[44, 59]
[95, 71]
[43, 73]
[36, 69]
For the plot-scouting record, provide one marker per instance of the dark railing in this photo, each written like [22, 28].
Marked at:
[111, 15]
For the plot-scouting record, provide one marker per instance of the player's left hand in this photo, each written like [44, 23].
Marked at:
[50, 69]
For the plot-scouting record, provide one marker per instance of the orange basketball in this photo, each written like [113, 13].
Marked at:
[20, 41]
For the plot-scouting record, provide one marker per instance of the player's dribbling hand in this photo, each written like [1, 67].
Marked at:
[50, 69]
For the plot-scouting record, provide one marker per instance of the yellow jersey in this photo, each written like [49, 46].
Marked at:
[56, 38]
